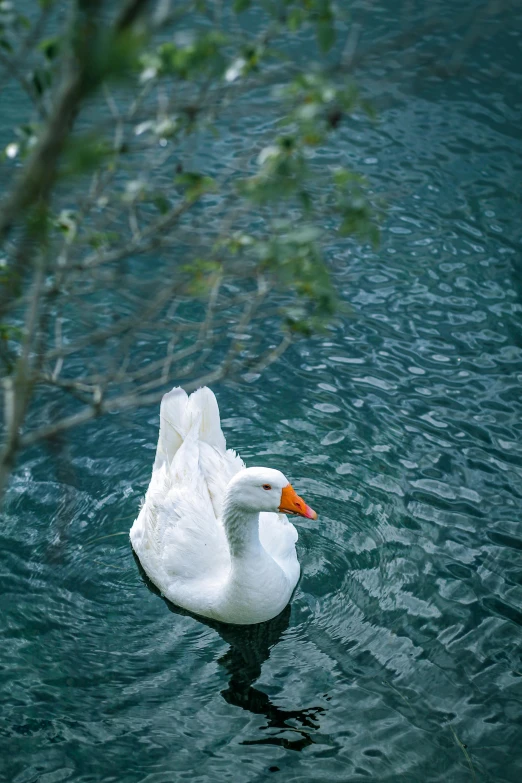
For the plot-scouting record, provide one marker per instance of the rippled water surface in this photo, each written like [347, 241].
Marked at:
[399, 658]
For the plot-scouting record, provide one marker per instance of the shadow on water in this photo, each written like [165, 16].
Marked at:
[249, 648]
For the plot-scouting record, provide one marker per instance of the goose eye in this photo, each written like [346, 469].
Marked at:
[267, 486]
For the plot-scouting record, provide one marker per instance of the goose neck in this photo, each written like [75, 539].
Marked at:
[242, 530]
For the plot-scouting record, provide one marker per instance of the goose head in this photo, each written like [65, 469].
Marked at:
[265, 489]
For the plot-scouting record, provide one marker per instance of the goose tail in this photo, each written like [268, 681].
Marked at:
[172, 426]
[202, 411]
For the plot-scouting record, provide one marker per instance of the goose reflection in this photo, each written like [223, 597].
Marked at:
[249, 648]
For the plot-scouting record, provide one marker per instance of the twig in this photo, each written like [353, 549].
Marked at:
[122, 403]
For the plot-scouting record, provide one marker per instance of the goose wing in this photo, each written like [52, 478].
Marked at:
[177, 535]
[218, 464]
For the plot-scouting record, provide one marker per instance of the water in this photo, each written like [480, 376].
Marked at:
[399, 658]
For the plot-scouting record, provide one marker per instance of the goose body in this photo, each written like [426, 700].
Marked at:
[211, 534]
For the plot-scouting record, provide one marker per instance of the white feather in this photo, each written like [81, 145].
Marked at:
[179, 535]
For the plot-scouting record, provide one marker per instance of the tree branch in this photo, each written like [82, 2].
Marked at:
[39, 172]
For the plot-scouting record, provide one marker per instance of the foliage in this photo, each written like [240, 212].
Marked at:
[130, 262]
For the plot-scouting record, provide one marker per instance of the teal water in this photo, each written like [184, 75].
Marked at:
[399, 657]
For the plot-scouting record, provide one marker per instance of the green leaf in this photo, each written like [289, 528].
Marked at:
[161, 203]
[50, 47]
[295, 19]
[41, 80]
[85, 153]
[194, 184]
[325, 34]
[374, 235]
[202, 275]
[369, 109]
[343, 177]
[241, 5]
[202, 54]
[103, 239]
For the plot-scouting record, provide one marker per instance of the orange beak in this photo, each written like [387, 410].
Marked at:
[291, 503]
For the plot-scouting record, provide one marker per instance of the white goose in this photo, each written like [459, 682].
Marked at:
[212, 534]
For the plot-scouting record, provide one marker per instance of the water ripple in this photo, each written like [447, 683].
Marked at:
[398, 659]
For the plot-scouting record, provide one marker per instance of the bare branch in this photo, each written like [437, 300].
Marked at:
[18, 386]
[125, 402]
